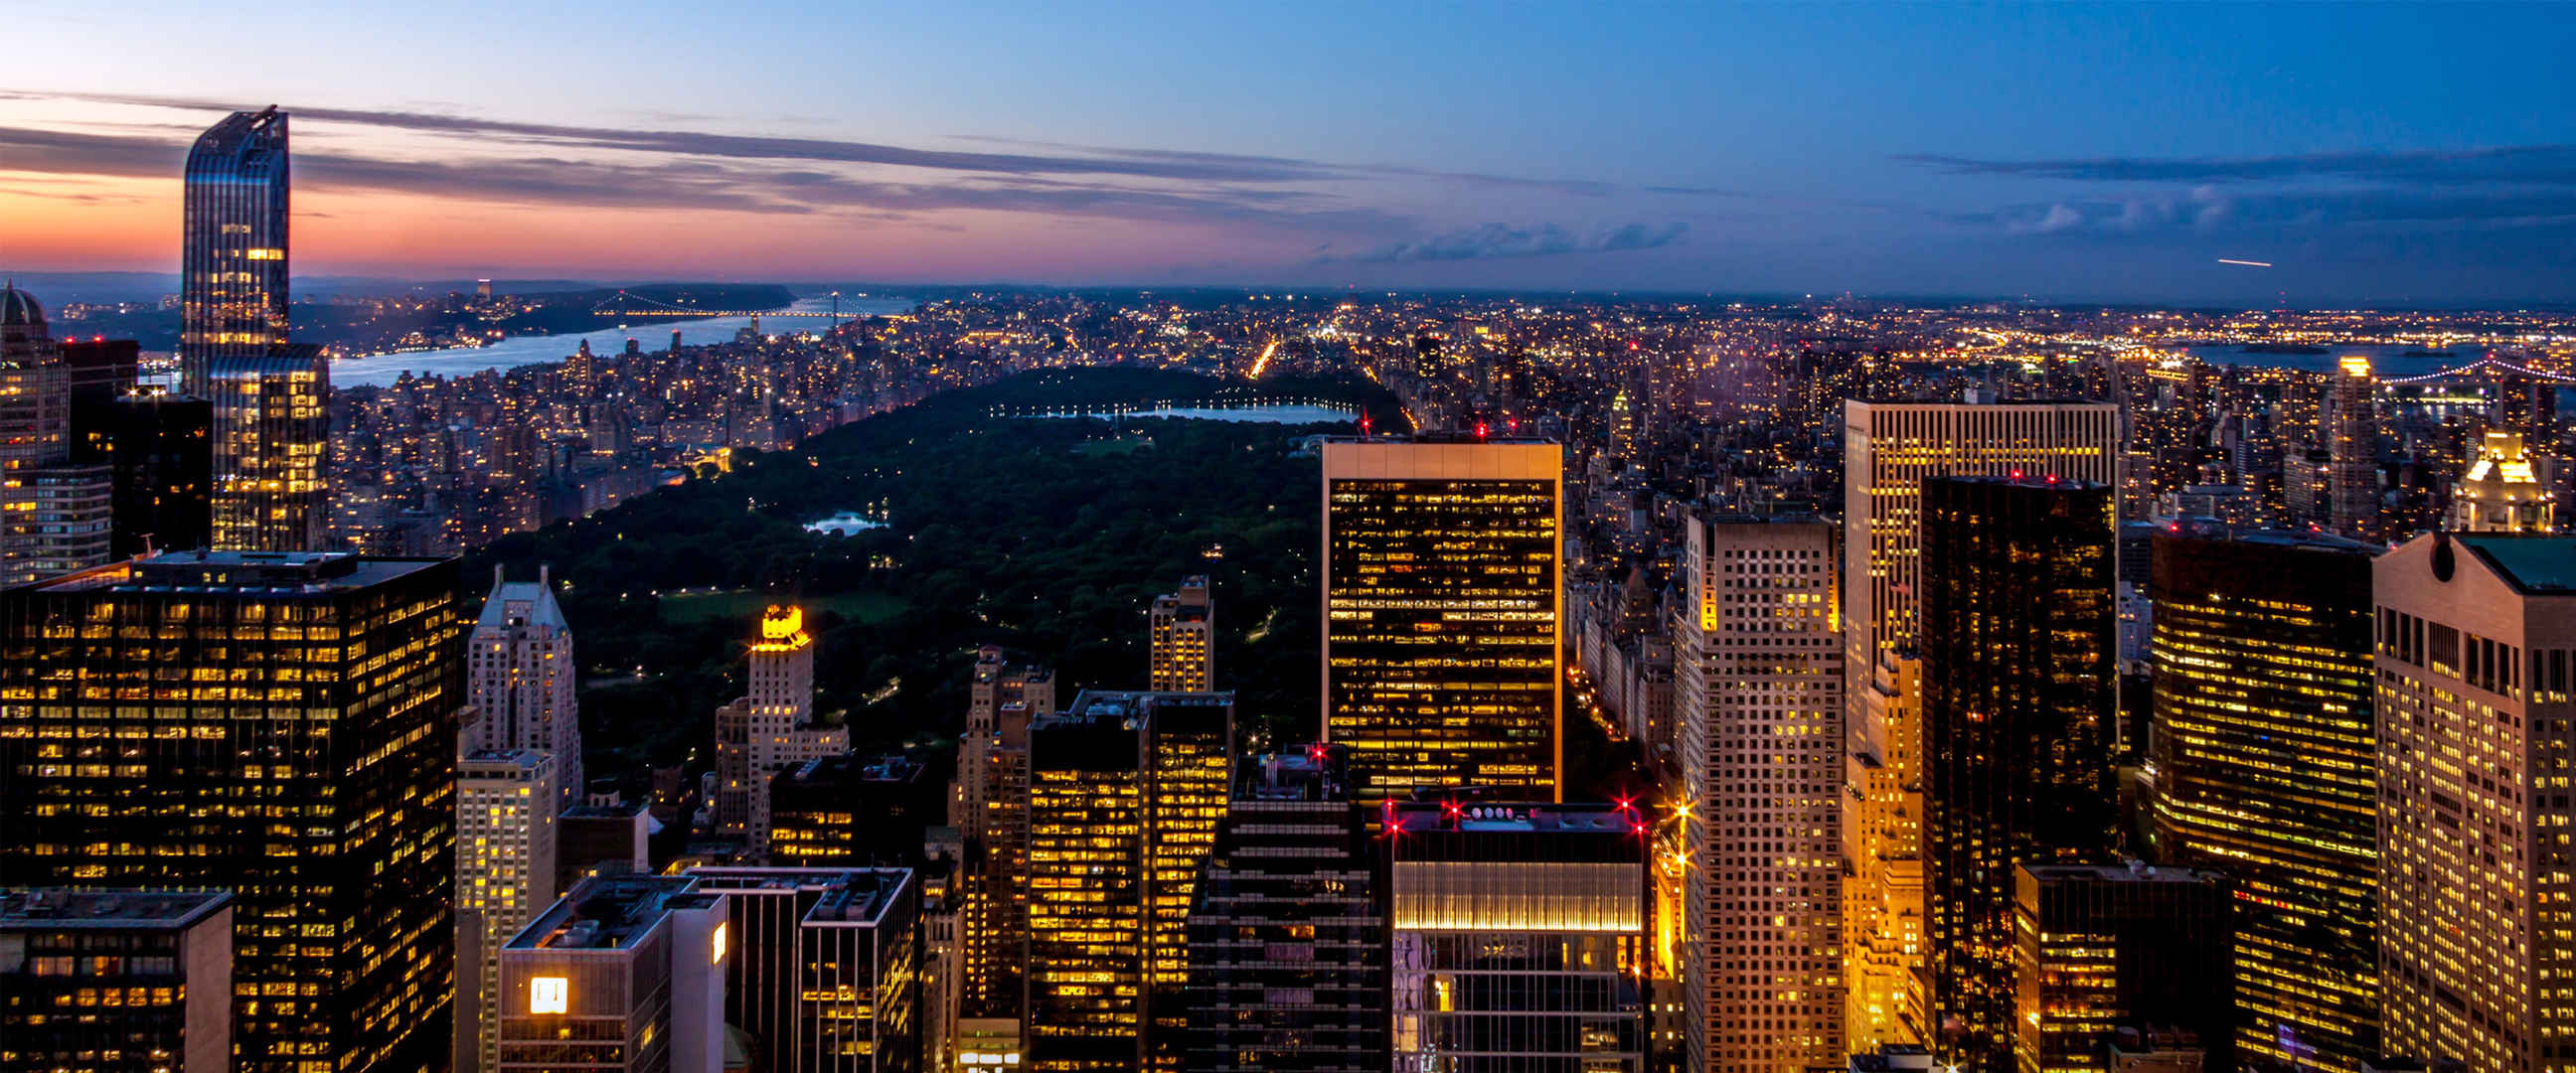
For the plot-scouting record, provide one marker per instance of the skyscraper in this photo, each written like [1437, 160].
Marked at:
[505, 873]
[2477, 735]
[1888, 451]
[2501, 492]
[521, 675]
[2352, 442]
[989, 807]
[1288, 935]
[116, 981]
[2019, 697]
[770, 727]
[1519, 936]
[2098, 948]
[272, 423]
[2261, 763]
[1442, 584]
[53, 512]
[1125, 791]
[824, 970]
[1184, 639]
[1760, 684]
[288, 734]
[623, 972]
[159, 450]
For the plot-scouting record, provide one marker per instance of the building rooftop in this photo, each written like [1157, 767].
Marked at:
[1314, 773]
[853, 896]
[1521, 817]
[95, 909]
[610, 912]
[521, 603]
[2301, 539]
[624, 811]
[246, 573]
[2530, 562]
[2132, 872]
[499, 763]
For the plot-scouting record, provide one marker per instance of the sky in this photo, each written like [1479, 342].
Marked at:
[2392, 155]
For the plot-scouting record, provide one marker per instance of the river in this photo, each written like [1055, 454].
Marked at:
[653, 332]
[2385, 359]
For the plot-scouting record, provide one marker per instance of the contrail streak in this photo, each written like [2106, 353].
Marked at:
[2248, 264]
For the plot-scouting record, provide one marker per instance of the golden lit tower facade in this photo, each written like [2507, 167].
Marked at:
[1442, 584]
[770, 727]
[272, 423]
[1125, 793]
[2477, 747]
[1889, 448]
[988, 804]
[505, 874]
[279, 725]
[2352, 443]
[1184, 639]
[1759, 678]
[523, 681]
[2262, 768]
[2502, 492]
[2019, 698]
[54, 514]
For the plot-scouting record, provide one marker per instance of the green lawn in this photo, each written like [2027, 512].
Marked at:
[744, 604]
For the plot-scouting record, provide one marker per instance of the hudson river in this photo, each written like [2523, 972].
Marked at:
[653, 332]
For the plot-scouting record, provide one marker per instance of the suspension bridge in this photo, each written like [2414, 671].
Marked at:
[2487, 367]
[635, 305]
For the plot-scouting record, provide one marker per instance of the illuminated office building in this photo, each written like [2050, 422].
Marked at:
[824, 974]
[2501, 493]
[53, 511]
[1760, 684]
[2261, 764]
[271, 414]
[1442, 585]
[1288, 936]
[2100, 948]
[522, 678]
[2352, 444]
[988, 805]
[280, 725]
[1183, 638]
[846, 812]
[1888, 451]
[623, 972]
[2019, 697]
[1519, 936]
[505, 873]
[770, 727]
[1125, 791]
[2477, 879]
[115, 981]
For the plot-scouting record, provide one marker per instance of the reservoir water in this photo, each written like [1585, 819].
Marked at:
[610, 338]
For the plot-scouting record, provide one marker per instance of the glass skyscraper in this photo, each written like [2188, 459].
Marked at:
[272, 424]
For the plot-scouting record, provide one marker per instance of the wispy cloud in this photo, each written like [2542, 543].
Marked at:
[1499, 241]
[2518, 164]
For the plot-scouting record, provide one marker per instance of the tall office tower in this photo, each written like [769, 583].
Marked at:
[2352, 442]
[770, 727]
[2105, 947]
[53, 511]
[1125, 791]
[989, 807]
[2019, 698]
[2261, 767]
[623, 972]
[1288, 936]
[505, 874]
[2477, 940]
[159, 451]
[847, 811]
[2501, 493]
[1888, 451]
[271, 398]
[1760, 683]
[1184, 639]
[1519, 936]
[825, 967]
[523, 680]
[116, 981]
[314, 777]
[1442, 584]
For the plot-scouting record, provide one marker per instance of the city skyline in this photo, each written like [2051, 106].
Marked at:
[1736, 150]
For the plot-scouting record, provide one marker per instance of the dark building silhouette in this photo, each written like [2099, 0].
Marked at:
[2263, 757]
[96, 370]
[2020, 696]
[290, 735]
[847, 811]
[2101, 948]
[159, 450]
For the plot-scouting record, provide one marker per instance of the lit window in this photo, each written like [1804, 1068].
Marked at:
[546, 994]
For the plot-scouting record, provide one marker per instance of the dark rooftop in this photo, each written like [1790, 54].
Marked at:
[45, 909]
[2532, 562]
[239, 572]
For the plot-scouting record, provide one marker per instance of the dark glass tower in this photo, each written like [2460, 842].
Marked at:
[2106, 947]
[272, 424]
[1288, 936]
[1441, 589]
[159, 450]
[2262, 759]
[2019, 700]
[282, 726]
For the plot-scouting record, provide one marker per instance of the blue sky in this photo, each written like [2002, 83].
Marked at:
[2391, 154]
